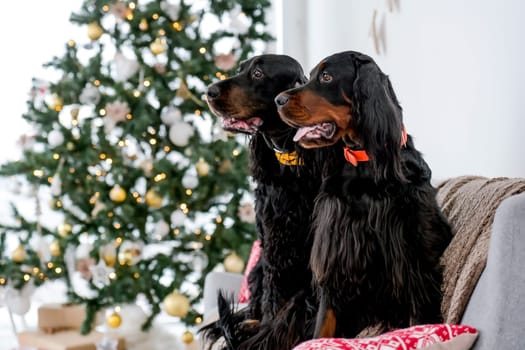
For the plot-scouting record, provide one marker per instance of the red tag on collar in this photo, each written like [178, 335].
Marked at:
[404, 137]
[353, 157]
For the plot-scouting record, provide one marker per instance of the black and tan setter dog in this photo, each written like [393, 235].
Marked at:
[378, 231]
[287, 179]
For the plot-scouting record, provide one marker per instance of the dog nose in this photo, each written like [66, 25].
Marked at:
[281, 100]
[213, 91]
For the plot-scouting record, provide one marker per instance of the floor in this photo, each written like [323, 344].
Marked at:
[165, 334]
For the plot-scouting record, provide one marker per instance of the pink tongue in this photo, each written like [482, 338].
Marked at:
[242, 124]
[301, 132]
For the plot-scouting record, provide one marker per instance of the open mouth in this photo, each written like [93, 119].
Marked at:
[248, 126]
[319, 131]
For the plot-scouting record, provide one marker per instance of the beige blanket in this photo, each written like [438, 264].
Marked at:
[469, 202]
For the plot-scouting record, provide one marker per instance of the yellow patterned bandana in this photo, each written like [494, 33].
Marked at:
[289, 158]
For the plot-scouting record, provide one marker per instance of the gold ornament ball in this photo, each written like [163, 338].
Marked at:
[54, 248]
[94, 31]
[226, 166]
[158, 46]
[117, 194]
[64, 229]
[183, 91]
[143, 25]
[109, 259]
[203, 168]
[176, 305]
[154, 199]
[233, 263]
[55, 102]
[114, 320]
[19, 254]
[147, 166]
[70, 146]
[126, 257]
[187, 337]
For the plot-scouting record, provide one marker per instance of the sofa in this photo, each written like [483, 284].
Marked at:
[484, 278]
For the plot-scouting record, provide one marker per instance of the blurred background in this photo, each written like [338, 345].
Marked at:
[456, 67]
[32, 32]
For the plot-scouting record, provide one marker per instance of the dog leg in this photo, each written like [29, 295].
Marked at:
[326, 321]
[329, 324]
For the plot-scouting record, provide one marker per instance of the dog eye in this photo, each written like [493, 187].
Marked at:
[257, 73]
[325, 78]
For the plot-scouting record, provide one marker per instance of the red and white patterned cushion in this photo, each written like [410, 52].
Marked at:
[429, 337]
[255, 254]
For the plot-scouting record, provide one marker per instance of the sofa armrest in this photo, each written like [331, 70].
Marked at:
[228, 282]
[497, 305]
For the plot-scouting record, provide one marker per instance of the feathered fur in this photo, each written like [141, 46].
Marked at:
[283, 300]
[378, 231]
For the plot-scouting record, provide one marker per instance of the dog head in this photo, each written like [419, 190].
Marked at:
[348, 98]
[245, 102]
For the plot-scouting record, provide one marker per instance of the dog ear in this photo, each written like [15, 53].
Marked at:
[299, 81]
[377, 119]
[302, 80]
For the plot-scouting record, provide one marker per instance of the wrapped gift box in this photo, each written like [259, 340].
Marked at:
[65, 340]
[57, 317]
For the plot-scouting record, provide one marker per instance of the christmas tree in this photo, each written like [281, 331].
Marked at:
[152, 193]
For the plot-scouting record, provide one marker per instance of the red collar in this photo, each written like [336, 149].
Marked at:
[355, 156]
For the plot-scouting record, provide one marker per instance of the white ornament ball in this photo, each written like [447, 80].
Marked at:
[246, 213]
[200, 261]
[180, 134]
[90, 95]
[170, 115]
[190, 181]
[178, 218]
[125, 67]
[133, 317]
[172, 10]
[83, 251]
[239, 21]
[41, 247]
[55, 138]
[162, 228]
[19, 304]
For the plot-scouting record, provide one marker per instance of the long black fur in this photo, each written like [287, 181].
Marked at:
[282, 298]
[378, 231]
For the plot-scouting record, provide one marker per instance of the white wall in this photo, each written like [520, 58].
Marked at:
[31, 32]
[457, 67]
